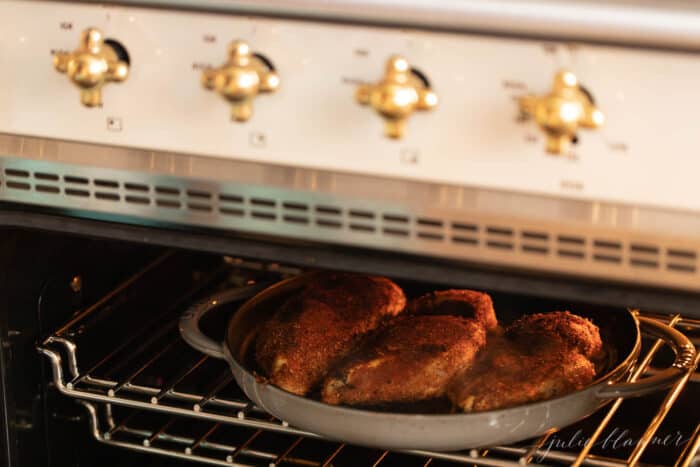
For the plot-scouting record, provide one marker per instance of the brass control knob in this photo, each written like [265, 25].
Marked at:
[92, 65]
[241, 79]
[562, 112]
[397, 96]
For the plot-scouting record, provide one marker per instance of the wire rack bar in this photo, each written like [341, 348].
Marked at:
[664, 409]
[151, 438]
[691, 450]
[638, 371]
[334, 454]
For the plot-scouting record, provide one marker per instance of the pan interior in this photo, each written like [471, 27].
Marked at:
[617, 328]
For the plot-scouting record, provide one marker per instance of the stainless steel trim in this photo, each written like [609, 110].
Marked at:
[634, 244]
[668, 24]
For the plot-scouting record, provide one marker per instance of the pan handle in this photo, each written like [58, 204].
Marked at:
[685, 360]
[189, 320]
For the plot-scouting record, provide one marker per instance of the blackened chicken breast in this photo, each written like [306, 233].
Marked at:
[541, 356]
[321, 324]
[412, 359]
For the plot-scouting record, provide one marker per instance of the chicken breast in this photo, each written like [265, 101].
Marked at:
[410, 360]
[540, 357]
[459, 302]
[321, 324]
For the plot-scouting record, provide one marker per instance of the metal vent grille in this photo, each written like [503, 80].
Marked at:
[319, 217]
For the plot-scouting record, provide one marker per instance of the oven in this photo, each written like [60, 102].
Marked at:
[155, 153]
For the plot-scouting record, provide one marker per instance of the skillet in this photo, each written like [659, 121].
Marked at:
[621, 332]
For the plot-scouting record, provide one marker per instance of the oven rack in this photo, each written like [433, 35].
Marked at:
[222, 403]
[95, 392]
[121, 433]
[105, 429]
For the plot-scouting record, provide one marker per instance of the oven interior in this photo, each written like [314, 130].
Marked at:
[94, 371]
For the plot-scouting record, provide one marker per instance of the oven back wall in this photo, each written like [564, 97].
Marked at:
[45, 279]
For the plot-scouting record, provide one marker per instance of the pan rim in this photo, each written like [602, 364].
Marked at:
[609, 377]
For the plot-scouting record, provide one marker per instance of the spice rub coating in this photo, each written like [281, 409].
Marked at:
[458, 302]
[321, 324]
[410, 360]
[540, 357]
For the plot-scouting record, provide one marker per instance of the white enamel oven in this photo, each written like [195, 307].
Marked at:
[116, 217]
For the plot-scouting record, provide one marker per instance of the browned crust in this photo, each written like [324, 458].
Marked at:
[572, 330]
[541, 356]
[510, 376]
[411, 360]
[459, 302]
[321, 324]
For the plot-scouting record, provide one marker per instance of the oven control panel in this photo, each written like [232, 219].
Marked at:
[561, 119]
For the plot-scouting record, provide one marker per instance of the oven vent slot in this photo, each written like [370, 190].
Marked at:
[290, 206]
[77, 192]
[360, 214]
[104, 183]
[534, 242]
[198, 201]
[47, 189]
[571, 247]
[644, 255]
[16, 173]
[13, 185]
[46, 182]
[430, 229]
[73, 180]
[361, 221]
[138, 187]
[263, 209]
[607, 251]
[328, 217]
[395, 225]
[101, 195]
[294, 212]
[681, 260]
[465, 233]
[231, 205]
[106, 190]
[17, 179]
[499, 238]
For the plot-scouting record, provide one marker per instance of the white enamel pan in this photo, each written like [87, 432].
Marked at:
[621, 332]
